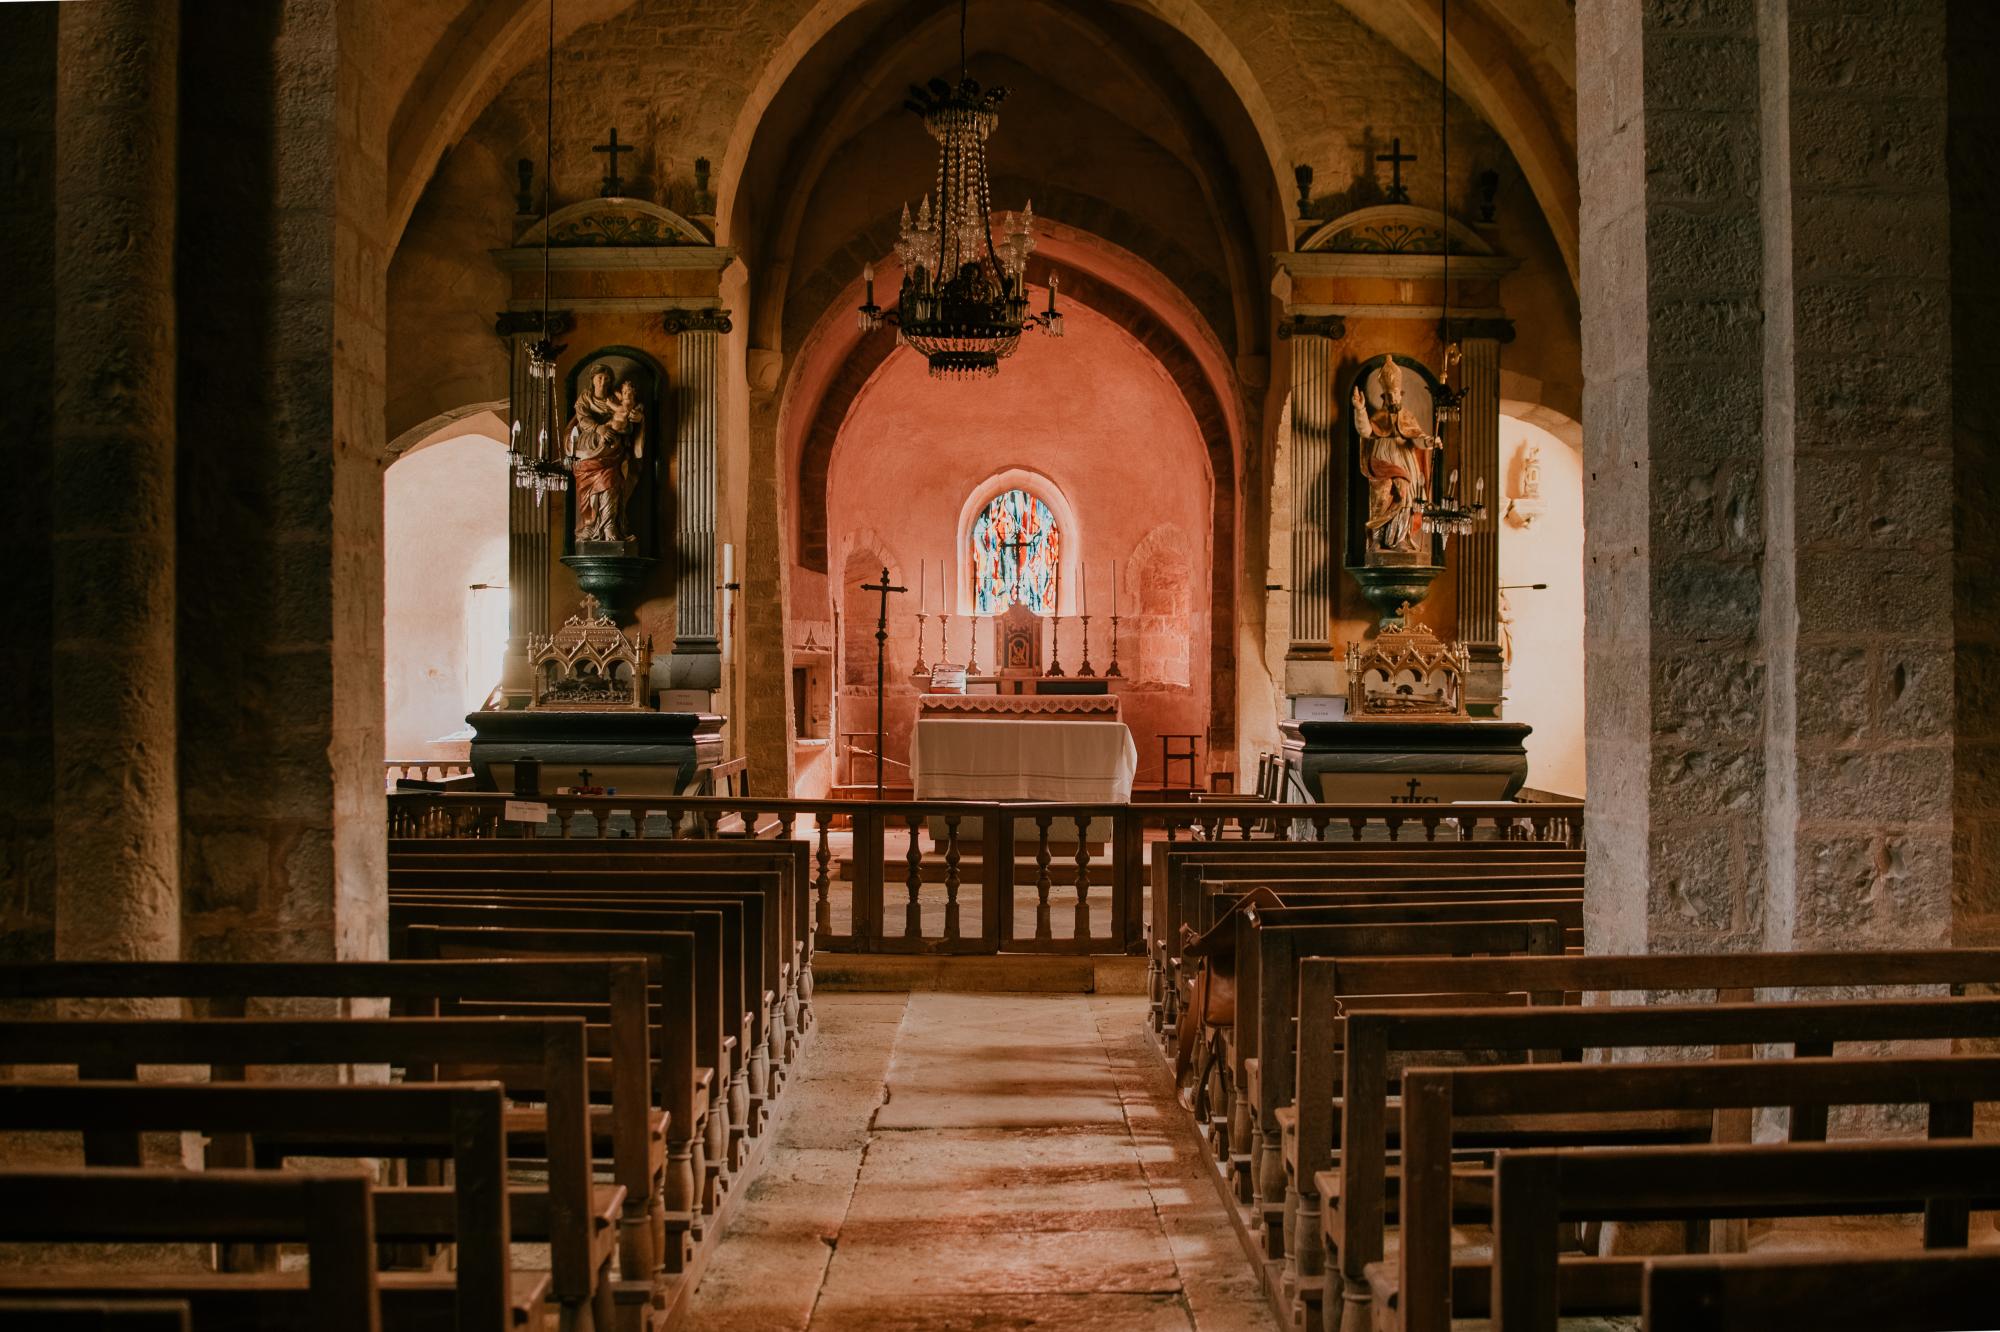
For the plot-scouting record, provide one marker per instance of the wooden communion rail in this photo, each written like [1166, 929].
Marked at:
[987, 858]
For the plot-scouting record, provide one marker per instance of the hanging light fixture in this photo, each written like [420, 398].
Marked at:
[535, 439]
[1446, 512]
[964, 299]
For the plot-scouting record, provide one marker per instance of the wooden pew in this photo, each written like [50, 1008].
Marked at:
[1350, 1200]
[1942, 1291]
[790, 858]
[760, 892]
[95, 1315]
[1266, 1000]
[543, 1056]
[1419, 1284]
[611, 992]
[1537, 1190]
[1169, 882]
[693, 1104]
[332, 1214]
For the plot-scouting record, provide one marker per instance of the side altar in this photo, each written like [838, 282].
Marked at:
[1406, 737]
[588, 722]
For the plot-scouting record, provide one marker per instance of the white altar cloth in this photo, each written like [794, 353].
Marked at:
[997, 758]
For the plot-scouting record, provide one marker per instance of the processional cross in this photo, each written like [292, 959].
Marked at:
[885, 587]
[1395, 157]
[614, 184]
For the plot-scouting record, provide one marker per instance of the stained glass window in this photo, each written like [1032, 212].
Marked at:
[1015, 550]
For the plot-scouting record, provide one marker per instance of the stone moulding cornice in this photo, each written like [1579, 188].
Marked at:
[1325, 325]
[706, 319]
[598, 258]
[646, 305]
[1311, 264]
[1470, 322]
[522, 318]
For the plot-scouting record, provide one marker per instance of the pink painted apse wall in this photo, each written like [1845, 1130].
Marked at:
[1097, 416]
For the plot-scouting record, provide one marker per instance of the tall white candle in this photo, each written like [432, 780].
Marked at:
[923, 602]
[1114, 589]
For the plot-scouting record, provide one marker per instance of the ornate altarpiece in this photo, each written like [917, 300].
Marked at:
[1366, 284]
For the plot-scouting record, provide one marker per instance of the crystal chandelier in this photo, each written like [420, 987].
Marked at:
[1446, 511]
[534, 440]
[964, 299]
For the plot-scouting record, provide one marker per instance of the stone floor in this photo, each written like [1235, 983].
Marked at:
[969, 1161]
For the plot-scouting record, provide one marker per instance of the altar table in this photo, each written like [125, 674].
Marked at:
[1008, 758]
[1027, 707]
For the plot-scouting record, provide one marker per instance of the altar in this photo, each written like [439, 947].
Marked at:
[1020, 707]
[1023, 758]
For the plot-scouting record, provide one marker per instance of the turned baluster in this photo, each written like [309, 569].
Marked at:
[784, 827]
[1082, 928]
[951, 880]
[913, 914]
[1042, 881]
[1319, 826]
[823, 884]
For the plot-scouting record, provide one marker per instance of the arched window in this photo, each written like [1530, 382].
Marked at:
[1016, 550]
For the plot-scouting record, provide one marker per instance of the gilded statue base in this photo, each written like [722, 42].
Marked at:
[612, 576]
[1388, 588]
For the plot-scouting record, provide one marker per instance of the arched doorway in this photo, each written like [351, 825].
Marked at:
[444, 518]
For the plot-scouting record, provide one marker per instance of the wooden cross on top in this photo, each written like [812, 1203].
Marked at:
[1395, 157]
[614, 184]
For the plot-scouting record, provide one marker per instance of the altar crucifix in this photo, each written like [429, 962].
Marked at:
[1396, 157]
[614, 184]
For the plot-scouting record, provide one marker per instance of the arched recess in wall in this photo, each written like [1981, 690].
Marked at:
[444, 558]
[963, 597]
[1540, 521]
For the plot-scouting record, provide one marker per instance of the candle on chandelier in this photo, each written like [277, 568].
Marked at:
[1479, 491]
[1451, 488]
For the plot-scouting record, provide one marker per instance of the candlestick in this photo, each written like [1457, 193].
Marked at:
[944, 639]
[1055, 652]
[1084, 671]
[972, 667]
[1112, 671]
[922, 669]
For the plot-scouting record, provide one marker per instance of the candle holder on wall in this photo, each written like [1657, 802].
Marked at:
[1112, 672]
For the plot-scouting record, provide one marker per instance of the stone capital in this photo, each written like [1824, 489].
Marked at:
[711, 320]
[1331, 326]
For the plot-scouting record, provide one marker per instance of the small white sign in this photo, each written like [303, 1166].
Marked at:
[526, 811]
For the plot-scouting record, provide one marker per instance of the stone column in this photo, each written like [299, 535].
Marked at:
[1475, 557]
[1672, 325]
[1315, 458]
[697, 659]
[116, 815]
[1858, 497]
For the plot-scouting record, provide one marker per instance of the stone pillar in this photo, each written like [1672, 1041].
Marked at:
[1315, 455]
[1667, 128]
[116, 817]
[1858, 497]
[764, 720]
[1972, 42]
[279, 595]
[697, 659]
[1475, 557]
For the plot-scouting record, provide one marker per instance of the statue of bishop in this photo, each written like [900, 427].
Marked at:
[1395, 461]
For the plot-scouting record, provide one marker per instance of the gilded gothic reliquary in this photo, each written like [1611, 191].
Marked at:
[589, 665]
[1406, 674]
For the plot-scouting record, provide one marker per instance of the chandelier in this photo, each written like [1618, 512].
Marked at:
[964, 299]
[534, 439]
[1446, 511]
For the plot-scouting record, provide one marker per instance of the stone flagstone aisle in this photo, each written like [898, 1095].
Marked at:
[955, 1161]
